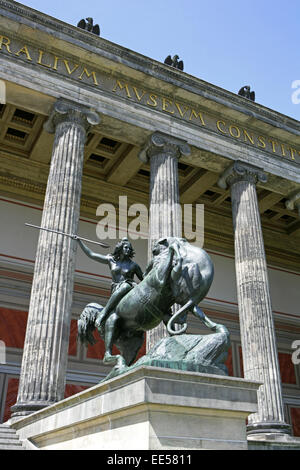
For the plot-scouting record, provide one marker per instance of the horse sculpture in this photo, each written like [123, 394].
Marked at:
[179, 273]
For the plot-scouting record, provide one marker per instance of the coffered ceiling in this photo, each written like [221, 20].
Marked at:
[112, 168]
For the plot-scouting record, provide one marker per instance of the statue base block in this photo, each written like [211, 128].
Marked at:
[195, 353]
[147, 408]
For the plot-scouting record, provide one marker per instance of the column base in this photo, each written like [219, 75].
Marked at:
[273, 441]
[268, 428]
[24, 409]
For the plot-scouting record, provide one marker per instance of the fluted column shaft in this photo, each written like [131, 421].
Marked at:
[44, 363]
[260, 357]
[165, 216]
[165, 220]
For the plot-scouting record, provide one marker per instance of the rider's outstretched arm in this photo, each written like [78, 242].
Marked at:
[95, 256]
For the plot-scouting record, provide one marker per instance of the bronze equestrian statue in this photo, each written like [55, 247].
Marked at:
[178, 273]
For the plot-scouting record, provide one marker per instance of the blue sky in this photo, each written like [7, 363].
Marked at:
[229, 43]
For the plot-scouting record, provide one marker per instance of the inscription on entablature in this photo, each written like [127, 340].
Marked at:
[188, 112]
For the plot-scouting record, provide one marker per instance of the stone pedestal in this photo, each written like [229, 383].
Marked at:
[148, 409]
[258, 340]
[163, 152]
[42, 379]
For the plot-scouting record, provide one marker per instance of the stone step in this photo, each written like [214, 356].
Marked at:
[10, 447]
[15, 442]
[7, 430]
[9, 439]
[4, 435]
[10, 435]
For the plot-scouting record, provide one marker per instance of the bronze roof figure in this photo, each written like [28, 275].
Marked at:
[246, 93]
[88, 25]
[174, 62]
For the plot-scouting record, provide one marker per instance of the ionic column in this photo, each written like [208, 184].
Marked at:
[163, 151]
[260, 357]
[42, 379]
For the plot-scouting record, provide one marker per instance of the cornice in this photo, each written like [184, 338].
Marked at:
[102, 47]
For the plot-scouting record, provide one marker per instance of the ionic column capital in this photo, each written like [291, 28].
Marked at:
[240, 171]
[293, 202]
[159, 143]
[68, 111]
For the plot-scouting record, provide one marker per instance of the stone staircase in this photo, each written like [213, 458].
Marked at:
[9, 440]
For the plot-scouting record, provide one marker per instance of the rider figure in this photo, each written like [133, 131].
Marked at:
[122, 269]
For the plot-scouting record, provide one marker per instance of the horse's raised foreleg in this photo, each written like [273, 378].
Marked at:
[163, 272]
[111, 333]
[177, 270]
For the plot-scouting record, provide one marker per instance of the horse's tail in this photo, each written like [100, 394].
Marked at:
[86, 323]
[185, 307]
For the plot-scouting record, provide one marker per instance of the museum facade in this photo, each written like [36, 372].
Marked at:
[87, 126]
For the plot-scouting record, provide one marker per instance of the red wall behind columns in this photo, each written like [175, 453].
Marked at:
[287, 369]
[13, 327]
[11, 396]
[295, 415]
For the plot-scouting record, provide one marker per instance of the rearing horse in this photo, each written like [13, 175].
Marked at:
[179, 273]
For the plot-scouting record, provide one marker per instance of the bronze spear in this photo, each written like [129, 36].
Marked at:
[75, 237]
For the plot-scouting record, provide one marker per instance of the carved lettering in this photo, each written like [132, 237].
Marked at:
[139, 97]
[165, 105]
[261, 141]
[67, 67]
[88, 74]
[41, 53]
[236, 133]
[24, 50]
[219, 123]
[6, 44]
[247, 136]
[274, 143]
[152, 100]
[55, 62]
[197, 115]
[282, 150]
[121, 86]
[73, 69]
[185, 109]
[292, 152]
